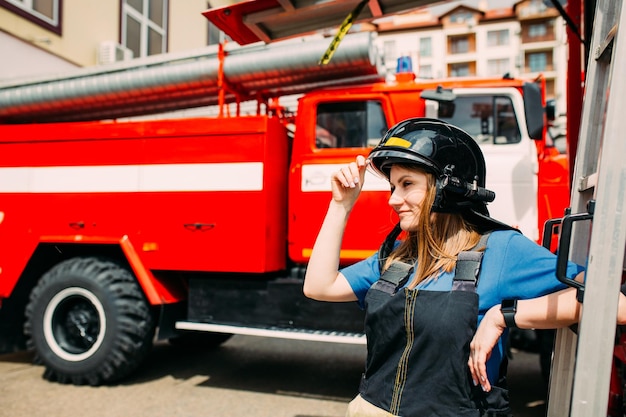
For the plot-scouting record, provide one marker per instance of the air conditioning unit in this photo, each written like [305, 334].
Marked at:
[110, 52]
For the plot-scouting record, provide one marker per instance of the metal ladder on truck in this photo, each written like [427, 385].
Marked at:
[594, 230]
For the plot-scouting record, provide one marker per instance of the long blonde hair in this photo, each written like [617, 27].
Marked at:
[437, 240]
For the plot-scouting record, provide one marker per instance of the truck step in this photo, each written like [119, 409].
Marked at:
[296, 334]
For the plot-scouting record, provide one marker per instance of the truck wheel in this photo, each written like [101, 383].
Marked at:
[88, 322]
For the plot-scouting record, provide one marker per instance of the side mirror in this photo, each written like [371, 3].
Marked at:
[533, 110]
[444, 98]
[440, 95]
[551, 110]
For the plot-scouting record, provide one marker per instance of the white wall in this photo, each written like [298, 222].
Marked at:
[27, 60]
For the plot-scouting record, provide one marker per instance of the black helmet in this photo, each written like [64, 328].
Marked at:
[451, 155]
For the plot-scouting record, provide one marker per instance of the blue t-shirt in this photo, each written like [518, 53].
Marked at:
[513, 267]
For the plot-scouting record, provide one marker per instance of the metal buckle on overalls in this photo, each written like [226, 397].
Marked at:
[467, 269]
[394, 277]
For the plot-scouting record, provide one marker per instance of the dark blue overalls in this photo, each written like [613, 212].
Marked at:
[418, 346]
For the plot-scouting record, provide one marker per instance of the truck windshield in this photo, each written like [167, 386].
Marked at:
[350, 124]
[488, 119]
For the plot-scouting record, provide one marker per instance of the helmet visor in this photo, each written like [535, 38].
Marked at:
[417, 146]
[418, 141]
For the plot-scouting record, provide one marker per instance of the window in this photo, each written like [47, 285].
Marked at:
[389, 52]
[461, 17]
[498, 66]
[46, 13]
[426, 71]
[426, 47]
[537, 62]
[352, 124]
[537, 30]
[460, 70]
[144, 24]
[488, 119]
[536, 7]
[459, 44]
[498, 37]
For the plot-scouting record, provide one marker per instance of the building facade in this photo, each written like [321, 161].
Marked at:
[43, 37]
[48, 36]
[526, 40]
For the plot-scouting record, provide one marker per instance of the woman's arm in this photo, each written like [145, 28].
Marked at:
[552, 311]
[322, 280]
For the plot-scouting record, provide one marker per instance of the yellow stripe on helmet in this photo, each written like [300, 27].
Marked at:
[396, 141]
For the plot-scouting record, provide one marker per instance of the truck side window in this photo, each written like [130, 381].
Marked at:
[349, 124]
[488, 119]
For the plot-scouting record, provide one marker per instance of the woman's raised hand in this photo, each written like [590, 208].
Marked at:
[348, 181]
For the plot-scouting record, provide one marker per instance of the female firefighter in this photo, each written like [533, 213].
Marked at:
[424, 293]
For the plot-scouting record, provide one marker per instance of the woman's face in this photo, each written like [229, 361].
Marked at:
[408, 189]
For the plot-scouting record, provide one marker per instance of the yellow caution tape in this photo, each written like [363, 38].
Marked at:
[343, 30]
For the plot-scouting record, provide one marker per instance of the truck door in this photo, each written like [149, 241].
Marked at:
[495, 119]
[329, 134]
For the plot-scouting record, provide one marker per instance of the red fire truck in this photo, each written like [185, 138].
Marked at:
[200, 227]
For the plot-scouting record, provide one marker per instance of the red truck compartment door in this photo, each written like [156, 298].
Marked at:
[219, 203]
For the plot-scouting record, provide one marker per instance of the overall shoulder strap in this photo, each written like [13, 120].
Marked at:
[387, 246]
[394, 277]
[468, 266]
[466, 272]
[398, 272]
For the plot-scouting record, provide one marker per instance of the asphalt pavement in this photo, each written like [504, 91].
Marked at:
[247, 377]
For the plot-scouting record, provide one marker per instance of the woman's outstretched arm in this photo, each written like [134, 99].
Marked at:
[552, 311]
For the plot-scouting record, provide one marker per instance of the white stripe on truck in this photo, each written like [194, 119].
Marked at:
[243, 176]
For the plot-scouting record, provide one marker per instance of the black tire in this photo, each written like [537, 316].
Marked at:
[88, 322]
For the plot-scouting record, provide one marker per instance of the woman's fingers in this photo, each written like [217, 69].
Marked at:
[489, 331]
[478, 367]
[352, 174]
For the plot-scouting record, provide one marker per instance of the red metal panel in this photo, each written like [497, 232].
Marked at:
[16, 244]
[248, 231]
[575, 80]
[230, 19]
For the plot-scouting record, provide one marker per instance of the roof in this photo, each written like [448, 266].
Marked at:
[424, 19]
[462, 7]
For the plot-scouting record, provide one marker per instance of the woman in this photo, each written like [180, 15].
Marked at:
[421, 315]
